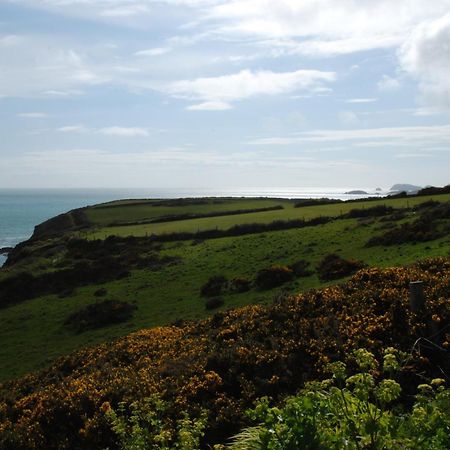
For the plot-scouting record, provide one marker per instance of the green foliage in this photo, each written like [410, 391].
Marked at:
[355, 412]
[213, 286]
[98, 315]
[333, 266]
[273, 276]
[213, 303]
[145, 425]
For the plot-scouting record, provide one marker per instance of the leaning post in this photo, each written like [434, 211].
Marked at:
[416, 296]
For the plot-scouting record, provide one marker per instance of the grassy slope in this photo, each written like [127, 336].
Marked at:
[193, 225]
[104, 215]
[224, 364]
[32, 333]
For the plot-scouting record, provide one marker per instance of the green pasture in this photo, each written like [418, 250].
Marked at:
[32, 333]
[135, 211]
[99, 217]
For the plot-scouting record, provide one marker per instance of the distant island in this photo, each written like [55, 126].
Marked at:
[357, 192]
[403, 187]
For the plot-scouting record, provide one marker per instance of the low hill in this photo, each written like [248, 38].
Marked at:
[224, 363]
[405, 188]
[70, 290]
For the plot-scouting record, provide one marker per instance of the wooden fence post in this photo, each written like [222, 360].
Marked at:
[416, 296]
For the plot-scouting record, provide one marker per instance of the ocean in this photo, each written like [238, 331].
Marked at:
[22, 209]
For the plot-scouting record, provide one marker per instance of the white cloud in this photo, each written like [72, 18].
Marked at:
[33, 115]
[85, 161]
[153, 51]
[124, 131]
[210, 106]
[370, 137]
[329, 26]
[36, 66]
[361, 100]
[125, 11]
[246, 84]
[72, 129]
[388, 83]
[426, 56]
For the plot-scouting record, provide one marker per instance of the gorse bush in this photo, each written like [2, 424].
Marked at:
[353, 412]
[273, 276]
[240, 284]
[301, 268]
[333, 266]
[213, 303]
[213, 286]
[225, 363]
[100, 315]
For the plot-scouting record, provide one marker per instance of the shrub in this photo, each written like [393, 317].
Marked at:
[240, 284]
[418, 231]
[333, 267]
[213, 303]
[300, 268]
[356, 412]
[145, 425]
[273, 276]
[100, 292]
[374, 211]
[213, 286]
[99, 315]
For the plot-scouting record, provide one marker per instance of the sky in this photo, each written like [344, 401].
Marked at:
[224, 94]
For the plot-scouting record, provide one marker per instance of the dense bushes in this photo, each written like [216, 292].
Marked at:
[332, 267]
[431, 224]
[374, 211]
[361, 411]
[214, 303]
[218, 284]
[23, 285]
[273, 276]
[213, 286]
[240, 284]
[85, 262]
[240, 230]
[225, 363]
[301, 268]
[99, 315]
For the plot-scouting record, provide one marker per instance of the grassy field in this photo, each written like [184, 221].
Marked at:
[33, 332]
[100, 217]
[119, 212]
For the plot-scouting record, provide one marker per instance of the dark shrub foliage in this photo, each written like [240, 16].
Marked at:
[426, 228]
[213, 286]
[315, 201]
[374, 211]
[434, 190]
[425, 205]
[333, 267]
[300, 268]
[100, 292]
[213, 303]
[99, 315]
[273, 276]
[240, 284]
